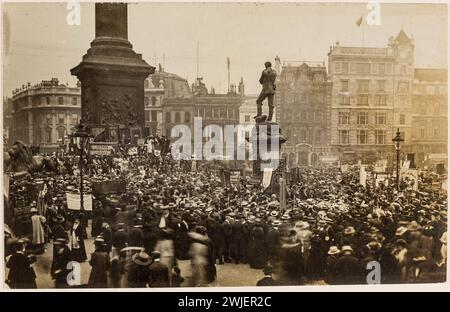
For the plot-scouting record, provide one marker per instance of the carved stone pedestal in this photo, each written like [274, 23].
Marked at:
[263, 133]
[111, 74]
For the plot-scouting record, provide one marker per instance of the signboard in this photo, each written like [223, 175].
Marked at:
[102, 149]
[380, 166]
[73, 201]
[108, 187]
[381, 178]
[329, 159]
[235, 177]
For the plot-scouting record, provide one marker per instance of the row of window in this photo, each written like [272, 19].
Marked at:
[364, 100]
[304, 97]
[304, 136]
[177, 117]
[150, 101]
[46, 100]
[362, 137]
[218, 113]
[151, 116]
[303, 115]
[362, 118]
[364, 85]
[431, 89]
[366, 68]
[61, 118]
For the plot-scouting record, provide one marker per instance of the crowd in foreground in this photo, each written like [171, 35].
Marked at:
[330, 230]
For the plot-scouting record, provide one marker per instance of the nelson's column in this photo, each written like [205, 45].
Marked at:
[111, 74]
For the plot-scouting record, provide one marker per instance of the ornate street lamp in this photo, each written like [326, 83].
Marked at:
[397, 139]
[83, 136]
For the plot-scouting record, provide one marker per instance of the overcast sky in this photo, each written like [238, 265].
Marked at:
[39, 44]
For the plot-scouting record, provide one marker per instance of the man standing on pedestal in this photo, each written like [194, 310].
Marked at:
[267, 81]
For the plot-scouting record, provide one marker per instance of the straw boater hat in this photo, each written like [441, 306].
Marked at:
[142, 258]
[347, 249]
[333, 250]
[401, 230]
[349, 230]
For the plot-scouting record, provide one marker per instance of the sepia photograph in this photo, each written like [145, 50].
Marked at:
[151, 145]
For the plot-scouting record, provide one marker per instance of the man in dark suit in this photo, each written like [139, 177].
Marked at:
[159, 272]
[267, 81]
[267, 280]
[347, 268]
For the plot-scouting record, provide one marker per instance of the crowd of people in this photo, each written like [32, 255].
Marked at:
[330, 229]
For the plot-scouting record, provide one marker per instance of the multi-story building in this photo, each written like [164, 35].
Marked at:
[303, 100]
[8, 123]
[429, 120]
[44, 114]
[371, 98]
[153, 99]
[219, 109]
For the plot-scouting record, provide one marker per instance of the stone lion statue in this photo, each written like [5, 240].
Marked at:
[20, 160]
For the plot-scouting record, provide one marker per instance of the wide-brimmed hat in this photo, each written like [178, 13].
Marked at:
[374, 246]
[142, 258]
[414, 226]
[334, 250]
[349, 230]
[276, 222]
[99, 240]
[301, 225]
[33, 210]
[346, 248]
[285, 217]
[401, 230]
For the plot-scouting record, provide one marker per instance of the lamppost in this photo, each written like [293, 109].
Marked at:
[83, 136]
[397, 139]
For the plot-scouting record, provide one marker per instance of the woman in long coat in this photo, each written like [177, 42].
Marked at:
[257, 252]
[77, 236]
[100, 264]
[37, 223]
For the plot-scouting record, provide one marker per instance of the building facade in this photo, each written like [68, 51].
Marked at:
[153, 99]
[8, 121]
[371, 99]
[302, 100]
[429, 119]
[45, 114]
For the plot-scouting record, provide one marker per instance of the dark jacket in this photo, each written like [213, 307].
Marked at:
[21, 274]
[266, 281]
[100, 264]
[348, 270]
[158, 275]
[267, 80]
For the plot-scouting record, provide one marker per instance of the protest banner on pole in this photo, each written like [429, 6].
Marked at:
[73, 201]
[362, 176]
[267, 177]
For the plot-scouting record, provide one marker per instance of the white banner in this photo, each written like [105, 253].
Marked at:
[362, 176]
[73, 201]
[344, 168]
[444, 185]
[267, 177]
